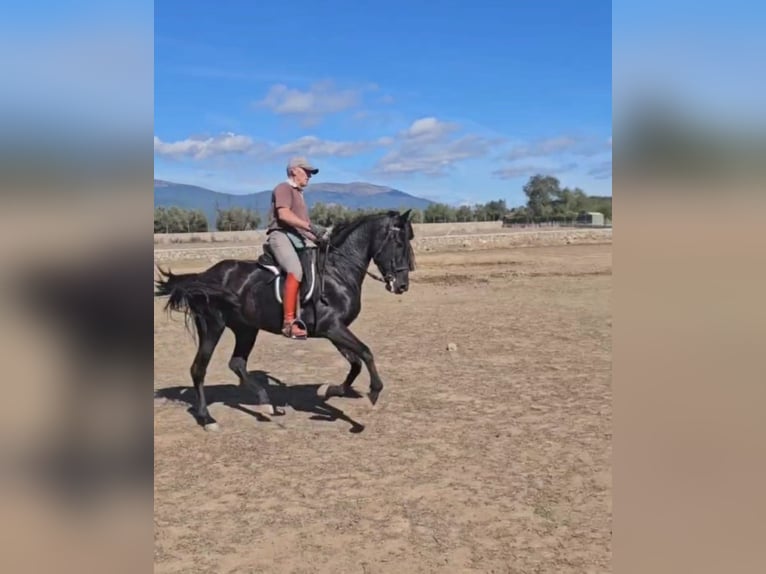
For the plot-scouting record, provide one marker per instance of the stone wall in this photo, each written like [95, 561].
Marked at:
[424, 229]
[443, 242]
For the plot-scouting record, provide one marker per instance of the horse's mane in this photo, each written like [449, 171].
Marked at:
[343, 229]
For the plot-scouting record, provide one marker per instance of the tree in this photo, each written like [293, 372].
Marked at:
[495, 210]
[177, 219]
[160, 220]
[174, 219]
[547, 201]
[416, 215]
[337, 213]
[579, 200]
[517, 215]
[464, 213]
[196, 221]
[540, 191]
[318, 214]
[563, 205]
[237, 219]
[439, 212]
[480, 213]
[600, 204]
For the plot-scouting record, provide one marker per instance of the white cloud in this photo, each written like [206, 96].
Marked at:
[428, 130]
[559, 145]
[316, 147]
[198, 147]
[530, 170]
[201, 147]
[427, 147]
[554, 156]
[320, 99]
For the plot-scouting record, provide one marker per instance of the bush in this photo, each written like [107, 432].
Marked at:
[178, 220]
[237, 219]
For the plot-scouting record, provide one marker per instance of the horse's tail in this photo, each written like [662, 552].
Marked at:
[194, 294]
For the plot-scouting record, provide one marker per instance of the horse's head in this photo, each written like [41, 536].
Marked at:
[393, 253]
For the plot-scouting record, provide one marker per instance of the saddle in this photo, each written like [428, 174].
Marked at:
[307, 257]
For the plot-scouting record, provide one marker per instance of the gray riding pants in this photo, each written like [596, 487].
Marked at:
[285, 253]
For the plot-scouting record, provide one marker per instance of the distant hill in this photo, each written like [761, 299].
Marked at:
[355, 195]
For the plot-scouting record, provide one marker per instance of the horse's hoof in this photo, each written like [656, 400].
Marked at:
[323, 390]
[374, 396]
[264, 409]
[212, 427]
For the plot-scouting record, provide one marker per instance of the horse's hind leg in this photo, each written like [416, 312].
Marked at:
[209, 330]
[344, 390]
[245, 340]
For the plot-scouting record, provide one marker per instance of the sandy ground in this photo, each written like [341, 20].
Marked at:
[490, 458]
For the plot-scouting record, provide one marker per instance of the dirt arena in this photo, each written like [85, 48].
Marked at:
[493, 457]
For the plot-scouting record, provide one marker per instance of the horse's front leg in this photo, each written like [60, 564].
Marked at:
[344, 390]
[342, 337]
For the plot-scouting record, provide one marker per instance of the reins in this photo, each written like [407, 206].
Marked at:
[322, 273]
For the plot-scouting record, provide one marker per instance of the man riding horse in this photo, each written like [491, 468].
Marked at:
[289, 229]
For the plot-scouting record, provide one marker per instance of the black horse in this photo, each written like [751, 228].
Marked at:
[241, 295]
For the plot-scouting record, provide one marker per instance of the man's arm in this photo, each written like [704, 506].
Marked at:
[316, 232]
[286, 215]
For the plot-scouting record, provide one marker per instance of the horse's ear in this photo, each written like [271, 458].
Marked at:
[406, 215]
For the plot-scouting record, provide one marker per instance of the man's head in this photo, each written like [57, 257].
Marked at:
[300, 171]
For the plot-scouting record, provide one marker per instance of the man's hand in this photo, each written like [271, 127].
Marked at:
[320, 232]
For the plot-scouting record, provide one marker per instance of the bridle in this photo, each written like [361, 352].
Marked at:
[390, 276]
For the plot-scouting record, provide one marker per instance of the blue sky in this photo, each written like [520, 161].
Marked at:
[456, 101]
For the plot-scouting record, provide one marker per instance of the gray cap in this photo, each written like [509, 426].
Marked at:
[302, 162]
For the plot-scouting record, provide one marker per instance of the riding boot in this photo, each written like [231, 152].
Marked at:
[292, 327]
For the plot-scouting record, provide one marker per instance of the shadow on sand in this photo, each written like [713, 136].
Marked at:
[301, 398]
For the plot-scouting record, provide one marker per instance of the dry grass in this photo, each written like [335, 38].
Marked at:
[490, 458]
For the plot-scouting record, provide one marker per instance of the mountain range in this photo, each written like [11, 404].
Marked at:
[355, 195]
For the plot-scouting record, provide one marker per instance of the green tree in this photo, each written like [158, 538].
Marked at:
[177, 219]
[439, 213]
[196, 221]
[517, 215]
[600, 204]
[579, 200]
[563, 205]
[160, 220]
[464, 213]
[318, 214]
[540, 191]
[495, 210]
[416, 215]
[480, 213]
[237, 219]
[337, 213]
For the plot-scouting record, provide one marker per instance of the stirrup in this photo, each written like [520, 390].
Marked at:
[287, 330]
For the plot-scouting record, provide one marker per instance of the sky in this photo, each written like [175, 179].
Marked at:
[457, 101]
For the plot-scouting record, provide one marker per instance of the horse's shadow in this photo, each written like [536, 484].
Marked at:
[299, 397]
